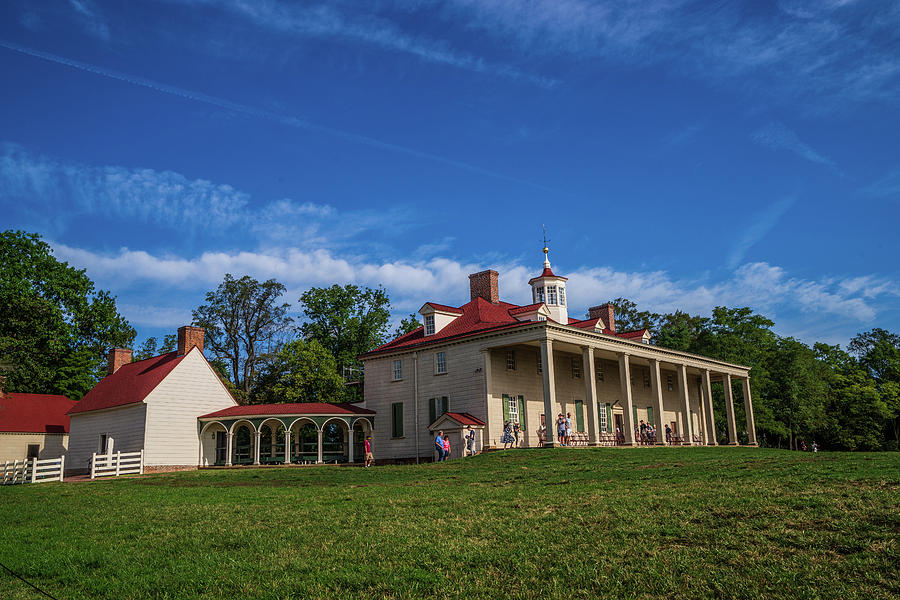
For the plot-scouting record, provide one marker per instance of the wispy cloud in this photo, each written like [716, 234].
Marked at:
[92, 18]
[758, 229]
[357, 23]
[778, 137]
[171, 200]
[886, 187]
[766, 288]
[251, 111]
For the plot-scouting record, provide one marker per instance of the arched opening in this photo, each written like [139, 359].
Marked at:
[304, 438]
[213, 444]
[242, 444]
[361, 429]
[335, 441]
[271, 442]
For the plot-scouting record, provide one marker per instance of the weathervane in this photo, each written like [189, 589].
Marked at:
[546, 241]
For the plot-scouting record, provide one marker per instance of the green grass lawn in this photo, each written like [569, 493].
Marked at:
[567, 523]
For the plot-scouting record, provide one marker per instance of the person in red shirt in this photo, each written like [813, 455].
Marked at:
[367, 446]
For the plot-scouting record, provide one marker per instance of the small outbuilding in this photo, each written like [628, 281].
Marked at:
[456, 427]
[33, 426]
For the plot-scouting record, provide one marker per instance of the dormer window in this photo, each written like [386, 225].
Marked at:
[429, 324]
[551, 295]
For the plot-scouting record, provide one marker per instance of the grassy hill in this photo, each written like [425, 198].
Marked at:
[567, 523]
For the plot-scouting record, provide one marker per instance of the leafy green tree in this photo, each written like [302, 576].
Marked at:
[878, 351]
[679, 331]
[407, 325]
[55, 327]
[151, 347]
[244, 324]
[629, 318]
[303, 371]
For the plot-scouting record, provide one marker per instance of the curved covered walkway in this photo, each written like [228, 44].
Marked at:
[300, 433]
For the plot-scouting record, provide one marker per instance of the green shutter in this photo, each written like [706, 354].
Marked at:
[609, 419]
[432, 410]
[505, 408]
[634, 414]
[397, 423]
[650, 416]
[579, 415]
[445, 404]
[523, 420]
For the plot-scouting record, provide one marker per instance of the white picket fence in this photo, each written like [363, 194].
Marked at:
[117, 463]
[33, 470]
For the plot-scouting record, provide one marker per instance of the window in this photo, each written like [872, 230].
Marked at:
[562, 296]
[551, 294]
[538, 294]
[540, 364]
[647, 378]
[510, 360]
[429, 324]
[576, 368]
[598, 368]
[513, 405]
[440, 363]
[397, 420]
[669, 382]
[542, 318]
[514, 410]
[398, 370]
[34, 450]
[601, 411]
[437, 407]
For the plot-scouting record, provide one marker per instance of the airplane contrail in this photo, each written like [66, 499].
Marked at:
[263, 114]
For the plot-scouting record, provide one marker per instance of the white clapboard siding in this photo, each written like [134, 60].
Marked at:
[190, 390]
[117, 463]
[125, 424]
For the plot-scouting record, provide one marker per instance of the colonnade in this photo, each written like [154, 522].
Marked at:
[706, 415]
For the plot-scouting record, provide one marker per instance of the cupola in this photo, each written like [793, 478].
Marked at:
[551, 290]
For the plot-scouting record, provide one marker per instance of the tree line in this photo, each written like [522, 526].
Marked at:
[56, 329]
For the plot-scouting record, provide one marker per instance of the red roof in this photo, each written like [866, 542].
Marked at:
[465, 418]
[525, 309]
[296, 408]
[34, 413]
[444, 308]
[546, 273]
[629, 334]
[130, 384]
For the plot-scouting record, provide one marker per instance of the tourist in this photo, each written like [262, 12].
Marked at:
[507, 438]
[568, 429]
[561, 429]
[470, 442]
[651, 434]
[367, 446]
[542, 434]
[643, 430]
[516, 430]
[446, 447]
[815, 447]
[668, 434]
[439, 446]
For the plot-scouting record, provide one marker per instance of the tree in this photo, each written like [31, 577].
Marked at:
[878, 352]
[407, 325]
[244, 323]
[347, 321]
[55, 327]
[679, 331]
[629, 318]
[151, 347]
[302, 371]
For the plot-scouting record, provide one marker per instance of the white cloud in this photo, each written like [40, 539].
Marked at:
[91, 18]
[779, 137]
[766, 288]
[758, 229]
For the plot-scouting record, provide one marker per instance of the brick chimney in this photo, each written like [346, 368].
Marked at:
[188, 337]
[485, 285]
[118, 357]
[606, 313]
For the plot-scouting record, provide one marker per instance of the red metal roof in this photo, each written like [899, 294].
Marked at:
[296, 408]
[445, 308]
[546, 273]
[129, 385]
[34, 413]
[525, 309]
[465, 418]
[629, 334]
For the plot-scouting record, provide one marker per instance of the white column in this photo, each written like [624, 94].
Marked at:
[287, 446]
[489, 400]
[350, 445]
[702, 416]
[549, 381]
[590, 394]
[729, 410]
[319, 456]
[684, 396]
[228, 448]
[627, 402]
[748, 409]
[712, 439]
[256, 437]
[656, 395]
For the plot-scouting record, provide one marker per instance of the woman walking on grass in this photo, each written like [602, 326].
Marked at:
[446, 447]
[507, 438]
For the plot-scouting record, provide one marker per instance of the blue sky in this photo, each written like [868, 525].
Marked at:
[681, 154]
